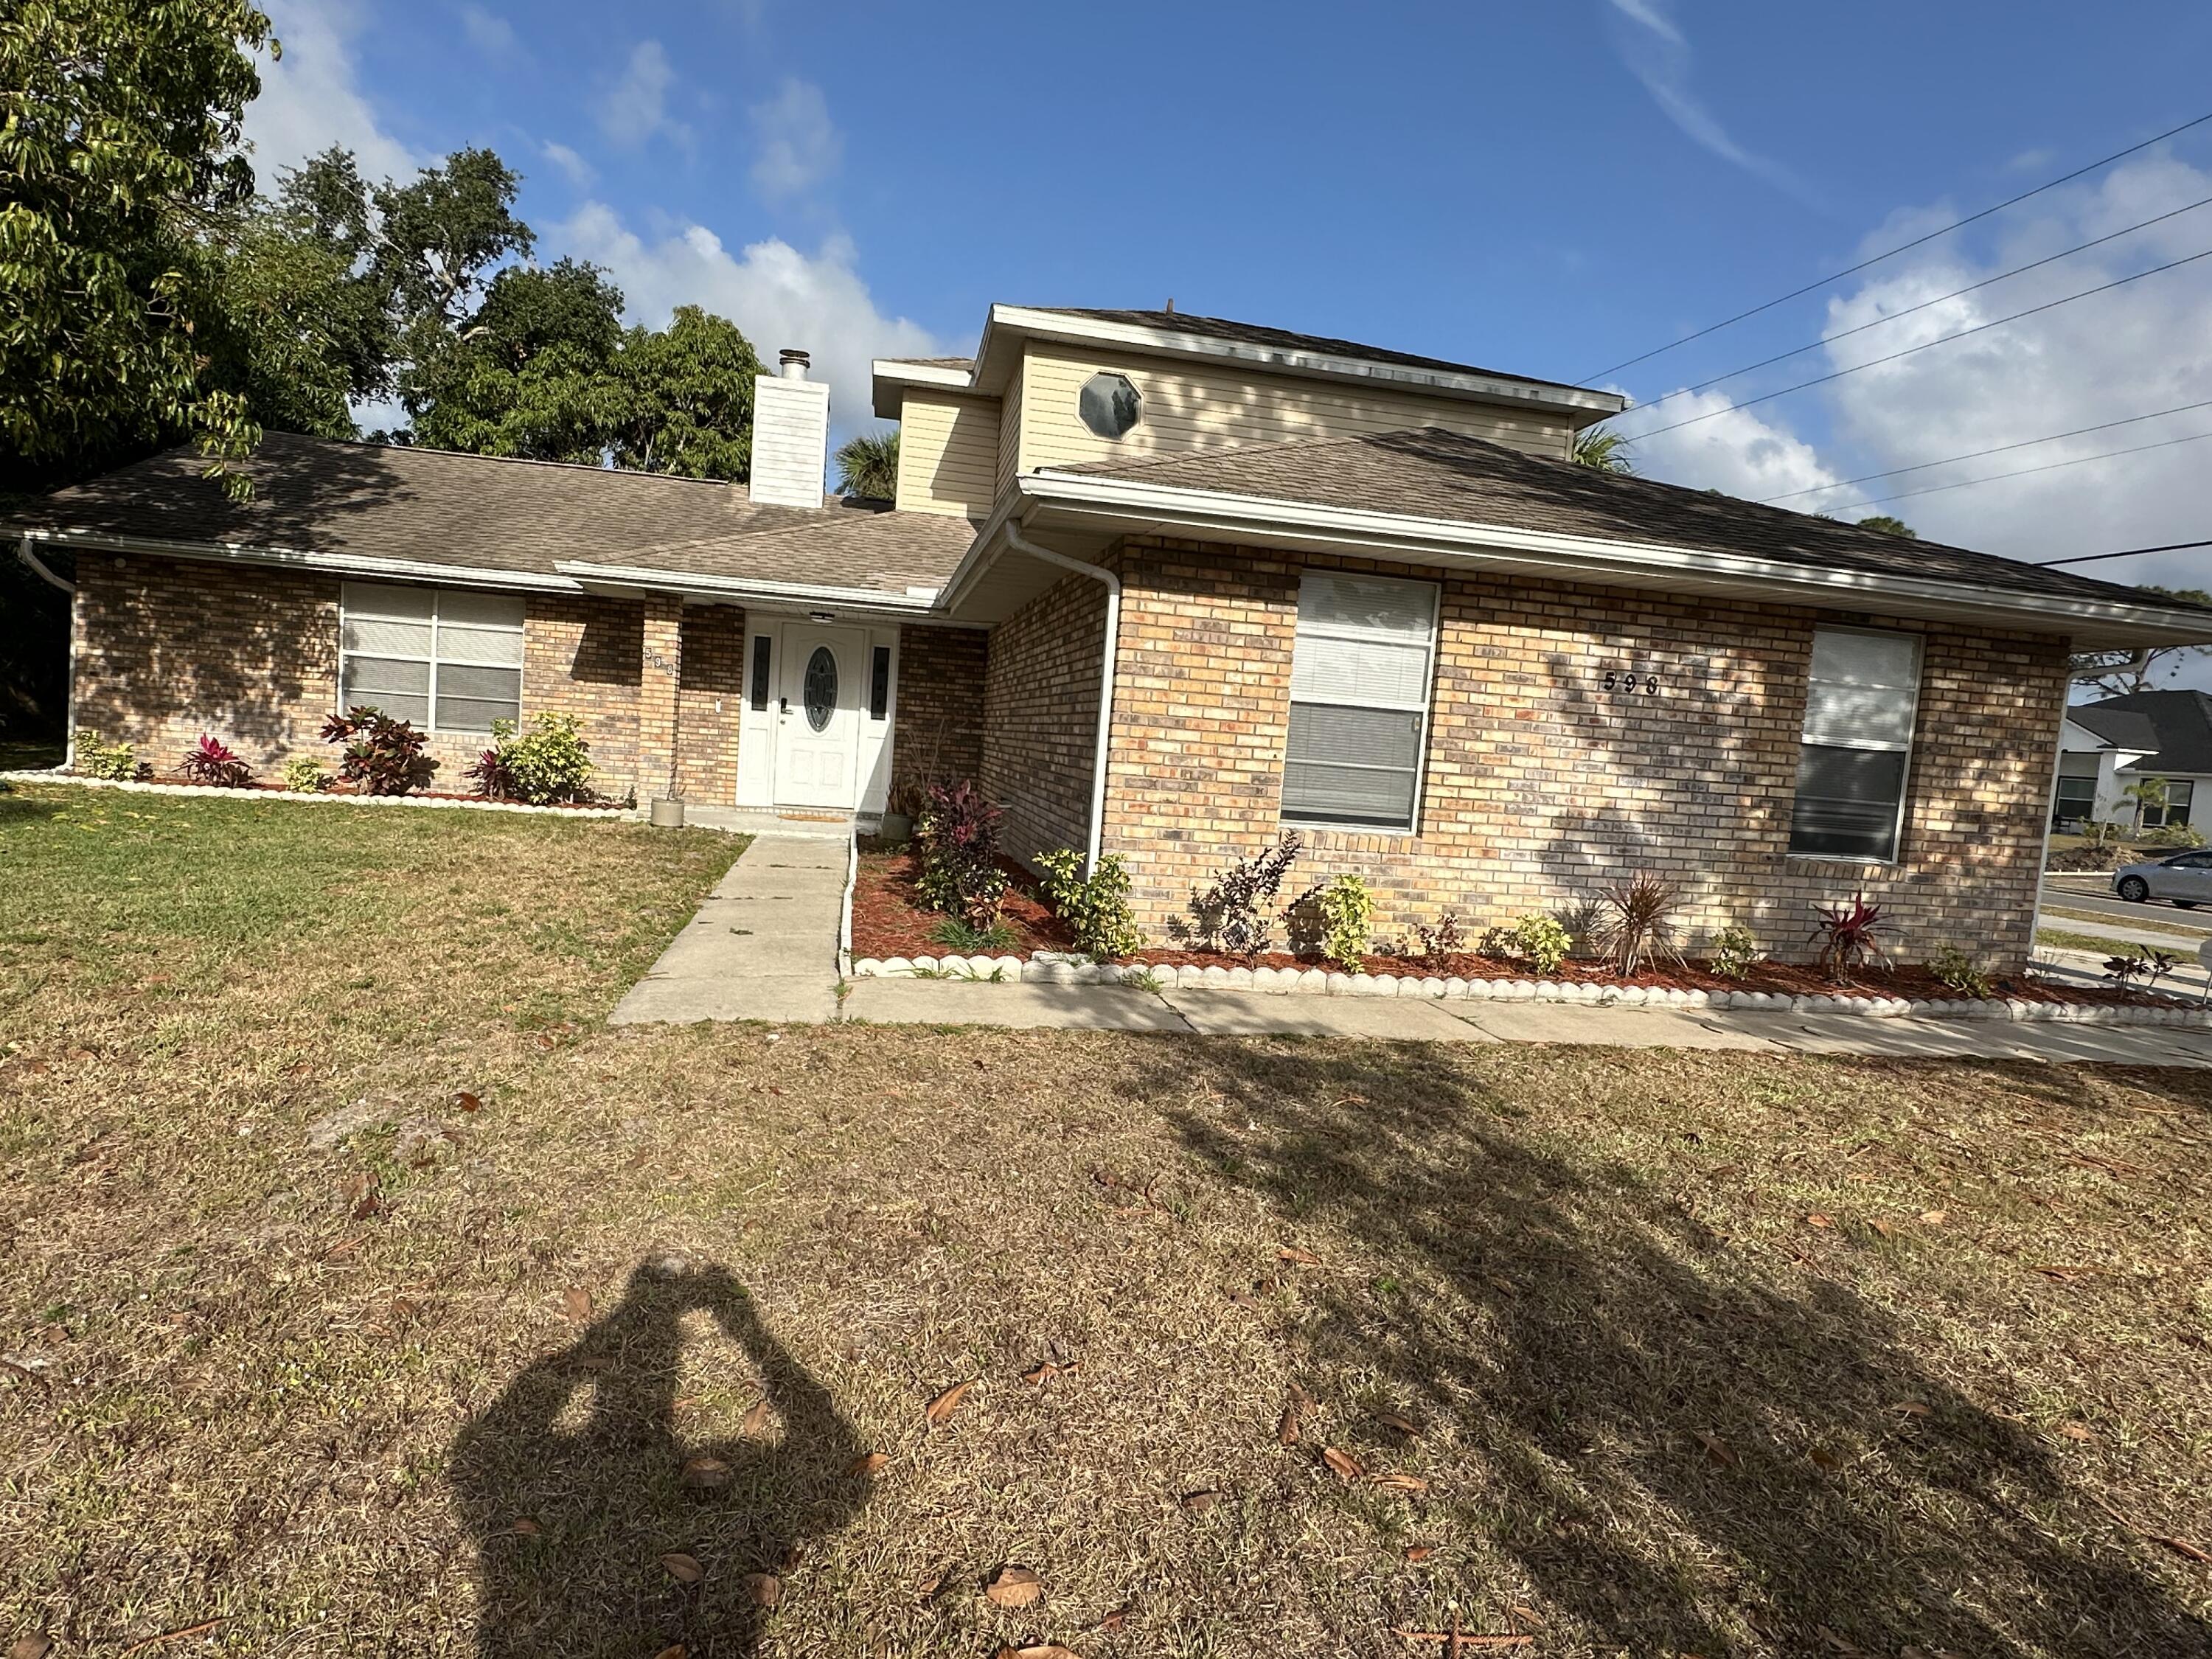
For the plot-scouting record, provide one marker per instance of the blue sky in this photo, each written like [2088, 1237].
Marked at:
[1545, 189]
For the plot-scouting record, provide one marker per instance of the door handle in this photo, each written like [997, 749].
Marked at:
[783, 705]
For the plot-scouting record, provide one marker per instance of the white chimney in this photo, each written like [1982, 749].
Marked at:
[791, 434]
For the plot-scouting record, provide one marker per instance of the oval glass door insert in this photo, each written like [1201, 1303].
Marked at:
[820, 689]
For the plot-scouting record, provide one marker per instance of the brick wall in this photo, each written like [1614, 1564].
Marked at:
[1539, 788]
[709, 703]
[166, 649]
[1040, 720]
[942, 676]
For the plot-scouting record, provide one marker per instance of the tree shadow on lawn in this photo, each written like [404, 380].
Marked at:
[1639, 1405]
[603, 1497]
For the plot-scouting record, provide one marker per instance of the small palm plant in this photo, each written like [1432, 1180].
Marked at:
[2150, 795]
[1635, 925]
[867, 465]
[1602, 450]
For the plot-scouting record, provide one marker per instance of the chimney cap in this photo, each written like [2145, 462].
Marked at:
[792, 363]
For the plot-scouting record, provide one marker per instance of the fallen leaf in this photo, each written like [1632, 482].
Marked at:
[467, 1101]
[1286, 1426]
[1882, 1227]
[1717, 1449]
[524, 1527]
[1014, 1587]
[576, 1303]
[1419, 1551]
[1197, 1503]
[1935, 1218]
[1292, 1253]
[1816, 1219]
[1405, 1425]
[1910, 1408]
[2077, 1431]
[1114, 1620]
[683, 1568]
[944, 1406]
[1346, 1466]
[706, 1474]
[33, 1646]
[1825, 1458]
[1399, 1482]
[1525, 1615]
[870, 1464]
[1038, 1650]
[931, 1583]
[765, 1590]
[674, 1652]
[1047, 1369]
[757, 1419]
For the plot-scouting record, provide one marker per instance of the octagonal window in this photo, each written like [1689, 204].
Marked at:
[1110, 405]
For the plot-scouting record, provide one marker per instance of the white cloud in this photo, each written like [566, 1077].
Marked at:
[489, 33]
[799, 144]
[575, 168]
[309, 99]
[1735, 450]
[1658, 54]
[777, 294]
[636, 108]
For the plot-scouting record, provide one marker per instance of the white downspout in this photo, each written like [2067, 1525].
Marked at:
[1113, 583]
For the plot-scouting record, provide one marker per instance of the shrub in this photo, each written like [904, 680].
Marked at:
[1636, 924]
[1094, 908]
[1733, 951]
[1850, 937]
[1541, 941]
[1347, 916]
[2175, 834]
[957, 935]
[118, 763]
[382, 756]
[1442, 941]
[1231, 915]
[957, 836]
[548, 765]
[1952, 967]
[306, 775]
[213, 761]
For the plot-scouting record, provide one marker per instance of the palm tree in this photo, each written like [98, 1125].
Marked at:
[868, 465]
[2150, 795]
[1602, 450]
[1890, 524]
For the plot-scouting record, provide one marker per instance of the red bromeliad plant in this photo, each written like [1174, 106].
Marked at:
[957, 836]
[383, 756]
[1848, 937]
[212, 761]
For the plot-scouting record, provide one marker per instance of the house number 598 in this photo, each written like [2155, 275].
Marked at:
[1630, 685]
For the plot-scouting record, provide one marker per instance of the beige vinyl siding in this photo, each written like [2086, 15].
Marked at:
[1010, 437]
[1188, 406]
[948, 454]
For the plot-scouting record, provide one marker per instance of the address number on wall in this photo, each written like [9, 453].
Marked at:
[1622, 683]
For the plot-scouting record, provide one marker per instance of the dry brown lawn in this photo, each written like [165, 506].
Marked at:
[581, 1341]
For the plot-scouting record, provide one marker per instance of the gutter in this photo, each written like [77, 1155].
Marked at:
[337, 564]
[581, 574]
[1020, 544]
[1555, 553]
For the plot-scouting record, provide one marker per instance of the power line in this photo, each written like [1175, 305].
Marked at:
[1876, 362]
[1902, 247]
[1976, 454]
[2047, 466]
[2128, 553]
[1956, 293]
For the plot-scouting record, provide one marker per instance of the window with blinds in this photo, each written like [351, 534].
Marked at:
[1359, 701]
[448, 661]
[1857, 745]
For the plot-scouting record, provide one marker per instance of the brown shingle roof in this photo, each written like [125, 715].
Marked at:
[1222, 328]
[320, 495]
[1428, 473]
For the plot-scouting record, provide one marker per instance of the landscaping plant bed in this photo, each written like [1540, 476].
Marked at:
[890, 919]
[337, 790]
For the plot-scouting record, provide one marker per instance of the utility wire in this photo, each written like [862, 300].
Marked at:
[2128, 553]
[1902, 247]
[1946, 339]
[1976, 454]
[1891, 317]
[2047, 466]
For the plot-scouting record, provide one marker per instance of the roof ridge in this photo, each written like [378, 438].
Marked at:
[474, 455]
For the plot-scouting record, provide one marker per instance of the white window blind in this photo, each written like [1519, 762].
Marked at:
[1359, 701]
[1857, 745]
[447, 660]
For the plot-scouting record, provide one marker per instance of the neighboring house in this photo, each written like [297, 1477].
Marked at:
[1167, 587]
[2108, 745]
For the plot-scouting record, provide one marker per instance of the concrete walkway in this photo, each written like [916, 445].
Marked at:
[764, 945]
[1250, 1013]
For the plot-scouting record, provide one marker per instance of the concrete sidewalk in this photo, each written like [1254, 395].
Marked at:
[1249, 1013]
[764, 945]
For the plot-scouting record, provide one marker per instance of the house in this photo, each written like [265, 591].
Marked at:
[2109, 745]
[1167, 587]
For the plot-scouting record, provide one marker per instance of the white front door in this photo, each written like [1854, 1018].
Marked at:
[818, 716]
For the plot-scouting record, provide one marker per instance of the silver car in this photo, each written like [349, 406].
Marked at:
[2185, 878]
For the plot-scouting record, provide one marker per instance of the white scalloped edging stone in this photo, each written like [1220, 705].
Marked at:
[1056, 967]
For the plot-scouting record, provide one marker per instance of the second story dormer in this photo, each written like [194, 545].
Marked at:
[1050, 387]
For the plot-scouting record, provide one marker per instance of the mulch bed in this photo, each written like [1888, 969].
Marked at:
[890, 919]
[337, 786]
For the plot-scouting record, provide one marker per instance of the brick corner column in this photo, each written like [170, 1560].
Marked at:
[658, 675]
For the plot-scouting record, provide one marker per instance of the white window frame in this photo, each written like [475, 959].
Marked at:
[1425, 707]
[436, 659]
[1912, 739]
